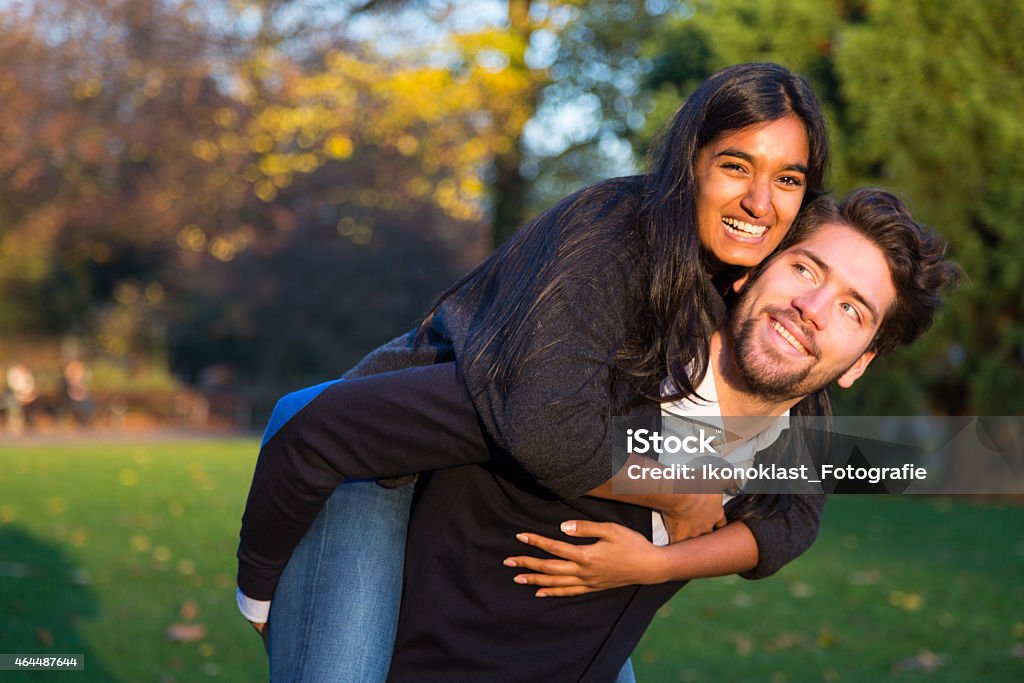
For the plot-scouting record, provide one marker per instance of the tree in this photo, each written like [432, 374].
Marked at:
[941, 126]
[924, 100]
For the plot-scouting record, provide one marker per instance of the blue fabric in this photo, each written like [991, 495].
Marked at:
[335, 610]
[626, 675]
[289, 405]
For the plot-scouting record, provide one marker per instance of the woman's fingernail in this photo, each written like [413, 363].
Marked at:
[509, 562]
[568, 527]
[542, 595]
[520, 579]
[523, 537]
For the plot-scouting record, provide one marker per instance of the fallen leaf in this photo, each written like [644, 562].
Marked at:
[45, 636]
[742, 600]
[189, 610]
[185, 633]
[801, 589]
[925, 660]
[784, 641]
[867, 577]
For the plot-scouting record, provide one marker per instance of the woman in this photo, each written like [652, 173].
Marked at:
[611, 286]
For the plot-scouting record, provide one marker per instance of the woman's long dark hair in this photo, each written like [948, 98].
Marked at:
[648, 222]
[673, 339]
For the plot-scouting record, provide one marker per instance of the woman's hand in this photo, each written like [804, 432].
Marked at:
[620, 557]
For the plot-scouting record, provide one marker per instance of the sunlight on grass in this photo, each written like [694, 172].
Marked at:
[125, 552]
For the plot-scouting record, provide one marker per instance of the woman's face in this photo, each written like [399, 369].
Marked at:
[750, 183]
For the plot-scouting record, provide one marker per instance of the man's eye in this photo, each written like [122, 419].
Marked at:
[851, 310]
[803, 271]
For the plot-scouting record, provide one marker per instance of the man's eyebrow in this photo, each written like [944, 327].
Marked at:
[740, 154]
[826, 269]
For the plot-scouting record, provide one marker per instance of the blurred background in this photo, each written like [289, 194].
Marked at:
[206, 204]
[210, 203]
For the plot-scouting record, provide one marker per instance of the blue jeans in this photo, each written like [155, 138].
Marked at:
[335, 610]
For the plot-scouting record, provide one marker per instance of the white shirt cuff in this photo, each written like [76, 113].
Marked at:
[255, 611]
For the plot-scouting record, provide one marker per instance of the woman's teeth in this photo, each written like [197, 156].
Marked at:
[745, 228]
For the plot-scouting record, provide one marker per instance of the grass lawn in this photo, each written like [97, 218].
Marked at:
[104, 547]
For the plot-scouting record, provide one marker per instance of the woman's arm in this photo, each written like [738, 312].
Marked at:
[558, 322]
[754, 549]
[623, 557]
[384, 425]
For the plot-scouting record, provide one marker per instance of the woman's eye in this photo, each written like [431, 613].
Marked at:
[792, 181]
[732, 166]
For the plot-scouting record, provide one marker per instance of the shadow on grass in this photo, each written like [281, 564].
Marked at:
[45, 604]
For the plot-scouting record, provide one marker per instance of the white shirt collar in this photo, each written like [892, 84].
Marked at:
[707, 409]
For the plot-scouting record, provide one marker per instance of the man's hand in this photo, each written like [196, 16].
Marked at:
[693, 514]
[263, 631]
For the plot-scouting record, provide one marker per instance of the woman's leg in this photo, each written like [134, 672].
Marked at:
[626, 674]
[335, 610]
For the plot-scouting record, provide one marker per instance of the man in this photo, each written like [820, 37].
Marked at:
[858, 282]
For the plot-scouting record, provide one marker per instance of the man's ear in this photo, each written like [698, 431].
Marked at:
[742, 280]
[854, 372]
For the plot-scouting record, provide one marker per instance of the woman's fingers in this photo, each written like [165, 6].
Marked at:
[549, 580]
[563, 592]
[559, 548]
[536, 564]
[584, 528]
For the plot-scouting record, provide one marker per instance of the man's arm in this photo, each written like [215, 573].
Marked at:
[385, 425]
[785, 536]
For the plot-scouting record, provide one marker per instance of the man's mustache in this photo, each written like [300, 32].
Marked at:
[807, 332]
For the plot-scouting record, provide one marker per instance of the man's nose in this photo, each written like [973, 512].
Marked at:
[813, 307]
[758, 199]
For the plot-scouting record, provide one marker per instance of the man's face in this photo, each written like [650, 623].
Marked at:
[810, 316]
[750, 184]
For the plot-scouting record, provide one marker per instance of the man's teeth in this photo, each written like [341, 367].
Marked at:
[788, 337]
[744, 227]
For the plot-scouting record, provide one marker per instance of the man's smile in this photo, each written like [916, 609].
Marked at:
[788, 330]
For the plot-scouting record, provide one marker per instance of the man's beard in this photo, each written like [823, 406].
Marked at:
[768, 375]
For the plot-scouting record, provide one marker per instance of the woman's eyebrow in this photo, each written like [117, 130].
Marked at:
[740, 154]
